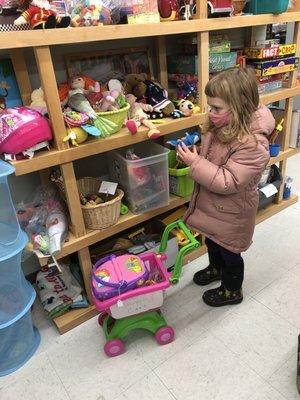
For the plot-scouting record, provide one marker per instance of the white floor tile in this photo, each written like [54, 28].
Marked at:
[85, 370]
[148, 388]
[35, 381]
[284, 379]
[282, 297]
[208, 370]
[266, 392]
[258, 336]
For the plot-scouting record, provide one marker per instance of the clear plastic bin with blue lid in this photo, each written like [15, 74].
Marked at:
[18, 337]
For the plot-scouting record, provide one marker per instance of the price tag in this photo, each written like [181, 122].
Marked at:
[108, 187]
[269, 190]
[120, 303]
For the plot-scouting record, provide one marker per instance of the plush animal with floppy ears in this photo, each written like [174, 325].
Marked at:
[149, 92]
[39, 15]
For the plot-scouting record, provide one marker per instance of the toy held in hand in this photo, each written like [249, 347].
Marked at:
[190, 140]
[39, 15]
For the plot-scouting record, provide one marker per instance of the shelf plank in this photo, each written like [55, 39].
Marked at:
[275, 208]
[73, 318]
[279, 95]
[283, 155]
[125, 222]
[46, 159]
[46, 37]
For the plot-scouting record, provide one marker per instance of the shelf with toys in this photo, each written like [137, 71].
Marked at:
[23, 39]
[63, 154]
[46, 159]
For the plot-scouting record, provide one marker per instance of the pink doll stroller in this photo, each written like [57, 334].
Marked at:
[129, 291]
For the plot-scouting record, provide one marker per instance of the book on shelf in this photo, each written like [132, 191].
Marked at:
[295, 131]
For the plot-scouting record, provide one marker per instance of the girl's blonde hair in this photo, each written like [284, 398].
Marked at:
[238, 88]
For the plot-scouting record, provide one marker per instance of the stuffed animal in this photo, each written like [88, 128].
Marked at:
[149, 92]
[138, 117]
[37, 101]
[75, 135]
[39, 15]
[187, 108]
[109, 101]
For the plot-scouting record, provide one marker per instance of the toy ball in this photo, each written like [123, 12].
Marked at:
[76, 135]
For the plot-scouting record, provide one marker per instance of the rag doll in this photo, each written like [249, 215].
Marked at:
[78, 97]
[137, 117]
[39, 15]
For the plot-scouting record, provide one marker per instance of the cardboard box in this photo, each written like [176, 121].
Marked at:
[260, 53]
[271, 67]
[182, 64]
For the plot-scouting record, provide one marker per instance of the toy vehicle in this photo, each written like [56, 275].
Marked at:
[139, 308]
[219, 7]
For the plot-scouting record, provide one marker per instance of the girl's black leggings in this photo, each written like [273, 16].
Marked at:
[231, 265]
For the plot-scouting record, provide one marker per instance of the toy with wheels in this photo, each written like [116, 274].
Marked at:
[139, 307]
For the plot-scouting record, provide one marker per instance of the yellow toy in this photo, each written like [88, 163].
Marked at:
[187, 107]
[76, 135]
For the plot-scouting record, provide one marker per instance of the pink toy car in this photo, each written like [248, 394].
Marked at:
[22, 128]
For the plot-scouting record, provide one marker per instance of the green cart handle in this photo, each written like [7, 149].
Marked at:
[194, 244]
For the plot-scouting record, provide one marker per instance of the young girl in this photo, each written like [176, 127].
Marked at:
[233, 155]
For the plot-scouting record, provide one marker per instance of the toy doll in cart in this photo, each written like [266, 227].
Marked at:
[128, 291]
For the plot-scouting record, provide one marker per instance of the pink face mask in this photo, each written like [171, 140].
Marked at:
[220, 120]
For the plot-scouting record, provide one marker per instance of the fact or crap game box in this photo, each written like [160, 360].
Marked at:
[260, 53]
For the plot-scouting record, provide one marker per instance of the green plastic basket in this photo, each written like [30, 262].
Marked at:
[180, 183]
[110, 122]
[267, 6]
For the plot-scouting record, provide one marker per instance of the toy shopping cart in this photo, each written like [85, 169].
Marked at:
[126, 303]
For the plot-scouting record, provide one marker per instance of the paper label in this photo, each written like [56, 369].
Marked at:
[108, 187]
[269, 190]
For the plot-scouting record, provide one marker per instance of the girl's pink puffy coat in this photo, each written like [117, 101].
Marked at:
[225, 198]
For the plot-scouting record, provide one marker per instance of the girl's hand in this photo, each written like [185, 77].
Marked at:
[186, 154]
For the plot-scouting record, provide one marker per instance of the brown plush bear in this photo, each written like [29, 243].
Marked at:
[149, 92]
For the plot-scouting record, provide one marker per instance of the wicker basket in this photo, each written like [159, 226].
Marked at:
[110, 122]
[102, 215]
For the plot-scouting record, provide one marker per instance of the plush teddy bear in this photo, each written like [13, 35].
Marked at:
[38, 102]
[149, 92]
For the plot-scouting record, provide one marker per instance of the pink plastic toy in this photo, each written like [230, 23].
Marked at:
[22, 128]
[115, 275]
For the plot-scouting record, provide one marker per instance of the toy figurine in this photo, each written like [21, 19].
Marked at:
[39, 15]
[190, 140]
[187, 9]
[138, 117]
[78, 96]
[168, 10]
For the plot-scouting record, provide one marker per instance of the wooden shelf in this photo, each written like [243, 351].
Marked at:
[73, 318]
[46, 159]
[22, 39]
[125, 222]
[279, 95]
[283, 155]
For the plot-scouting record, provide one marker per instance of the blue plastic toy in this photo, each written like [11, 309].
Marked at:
[189, 140]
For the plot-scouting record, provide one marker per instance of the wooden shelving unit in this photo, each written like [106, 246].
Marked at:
[63, 156]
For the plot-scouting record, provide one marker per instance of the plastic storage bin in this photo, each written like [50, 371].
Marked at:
[145, 180]
[267, 6]
[18, 342]
[179, 182]
[18, 338]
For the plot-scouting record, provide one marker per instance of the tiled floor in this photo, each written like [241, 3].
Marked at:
[234, 353]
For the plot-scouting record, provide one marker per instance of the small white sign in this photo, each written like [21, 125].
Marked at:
[108, 187]
[269, 190]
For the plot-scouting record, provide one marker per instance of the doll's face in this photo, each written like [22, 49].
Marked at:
[77, 83]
